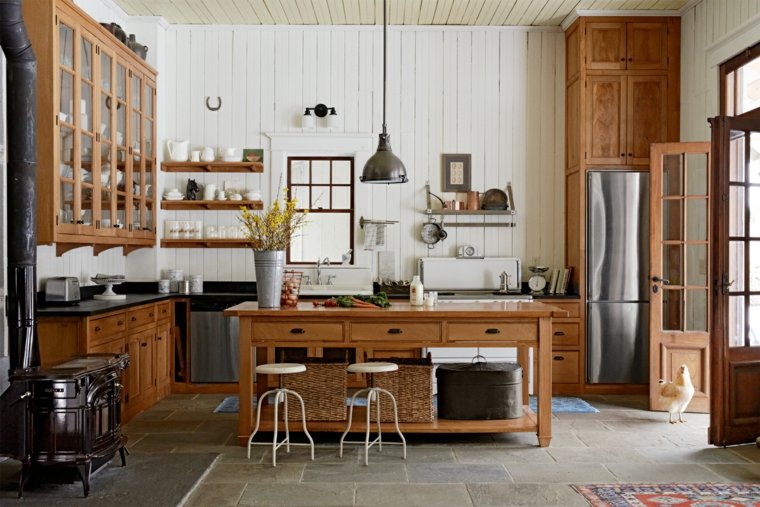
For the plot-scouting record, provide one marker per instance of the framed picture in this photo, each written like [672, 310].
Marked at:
[253, 155]
[456, 172]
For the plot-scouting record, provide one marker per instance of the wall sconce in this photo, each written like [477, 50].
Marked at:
[308, 121]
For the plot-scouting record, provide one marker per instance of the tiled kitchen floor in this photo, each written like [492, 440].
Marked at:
[622, 443]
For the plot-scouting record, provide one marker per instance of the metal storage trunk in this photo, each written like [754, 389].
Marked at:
[479, 391]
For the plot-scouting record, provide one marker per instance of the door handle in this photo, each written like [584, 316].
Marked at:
[664, 281]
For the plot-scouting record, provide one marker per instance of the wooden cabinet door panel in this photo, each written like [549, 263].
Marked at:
[647, 45]
[605, 46]
[605, 120]
[566, 367]
[163, 368]
[647, 116]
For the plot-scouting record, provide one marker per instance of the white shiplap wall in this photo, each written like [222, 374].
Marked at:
[494, 93]
[711, 32]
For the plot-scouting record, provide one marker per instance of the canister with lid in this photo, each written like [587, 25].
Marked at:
[196, 284]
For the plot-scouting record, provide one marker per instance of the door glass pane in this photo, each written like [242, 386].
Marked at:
[66, 45]
[696, 174]
[121, 82]
[736, 156]
[735, 321]
[341, 198]
[736, 265]
[736, 211]
[86, 168]
[671, 309]
[86, 107]
[753, 194]
[320, 197]
[341, 172]
[85, 68]
[672, 263]
[672, 175]
[754, 154]
[320, 171]
[672, 227]
[696, 219]
[696, 310]
[696, 265]
[299, 172]
[66, 213]
[67, 97]
[753, 339]
[754, 265]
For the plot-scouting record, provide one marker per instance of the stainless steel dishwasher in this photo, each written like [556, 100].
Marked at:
[214, 339]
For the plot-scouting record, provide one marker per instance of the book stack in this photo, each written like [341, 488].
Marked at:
[559, 281]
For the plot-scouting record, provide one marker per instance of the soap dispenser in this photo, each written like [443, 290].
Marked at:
[415, 291]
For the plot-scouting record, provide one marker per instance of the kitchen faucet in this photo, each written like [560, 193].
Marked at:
[319, 269]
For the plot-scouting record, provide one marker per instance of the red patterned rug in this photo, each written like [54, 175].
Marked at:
[682, 495]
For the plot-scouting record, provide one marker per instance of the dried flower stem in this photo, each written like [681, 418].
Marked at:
[272, 229]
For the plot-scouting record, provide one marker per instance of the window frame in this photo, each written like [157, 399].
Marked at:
[730, 67]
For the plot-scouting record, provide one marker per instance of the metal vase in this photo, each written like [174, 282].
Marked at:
[269, 269]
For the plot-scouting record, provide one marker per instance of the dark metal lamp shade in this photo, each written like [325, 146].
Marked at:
[384, 166]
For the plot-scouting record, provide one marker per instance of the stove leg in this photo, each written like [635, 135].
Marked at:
[123, 453]
[26, 471]
[84, 473]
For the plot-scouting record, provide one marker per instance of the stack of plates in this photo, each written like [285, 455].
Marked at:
[174, 197]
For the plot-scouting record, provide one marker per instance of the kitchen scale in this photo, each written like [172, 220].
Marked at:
[537, 282]
[108, 282]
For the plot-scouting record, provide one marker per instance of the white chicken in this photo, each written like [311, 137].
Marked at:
[675, 396]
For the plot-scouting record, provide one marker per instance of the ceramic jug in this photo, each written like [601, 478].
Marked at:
[178, 150]
[207, 154]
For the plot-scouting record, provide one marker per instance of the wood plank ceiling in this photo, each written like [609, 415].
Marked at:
[369, 12]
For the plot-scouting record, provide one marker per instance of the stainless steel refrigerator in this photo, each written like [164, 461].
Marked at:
[617, 271]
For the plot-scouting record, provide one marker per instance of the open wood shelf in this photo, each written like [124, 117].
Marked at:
[212, 167]
[465, 212]
[210, 205]
[204, 243]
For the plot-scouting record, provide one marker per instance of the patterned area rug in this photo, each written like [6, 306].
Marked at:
[560, 404]
[682, 495]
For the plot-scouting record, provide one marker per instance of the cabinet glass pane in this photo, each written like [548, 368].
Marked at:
[672, 175]
[150, 169]
[696, 219]
[105, 117]
[136, 91]
[137, 175]
[148, 216]
[106, 178]
[105, 72]
[121, 82]
[66, 213]
[85, 66]
[67, 97]
[136, 134]
[671, 309]
[86, 108]
[136, 215]
[696, 310]
[341, 198]
[320, 171]
[672, 226]
[121, 123]
[121, 168]
[320, 197]
[341, 172]
[736, 321]
[696, 265]
[736, 211]
[67, 152]
[754, 260]
[66, 45]
[149, 101]
[696, 174]
[149, 138]
[86, 167]
[671, 263]
[87, 204]
[736, 265]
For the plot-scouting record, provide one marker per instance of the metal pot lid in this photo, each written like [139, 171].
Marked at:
[494, 198]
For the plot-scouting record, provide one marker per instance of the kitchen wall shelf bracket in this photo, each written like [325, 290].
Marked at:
[212, 167]
[185, 205]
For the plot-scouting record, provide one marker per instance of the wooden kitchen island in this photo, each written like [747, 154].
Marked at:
[503, 324]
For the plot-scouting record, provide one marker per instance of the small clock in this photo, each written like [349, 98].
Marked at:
[537, 284]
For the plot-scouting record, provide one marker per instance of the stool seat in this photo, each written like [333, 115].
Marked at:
[280, 368]
[371, 367]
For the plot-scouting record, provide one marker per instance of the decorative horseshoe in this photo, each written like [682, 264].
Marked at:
[219, 99]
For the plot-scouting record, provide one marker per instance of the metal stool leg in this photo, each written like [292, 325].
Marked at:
[276, 427]
[261, 401]
[287, 430]
[303, 419]
[395, 418]
[376, 393]
[350, 418]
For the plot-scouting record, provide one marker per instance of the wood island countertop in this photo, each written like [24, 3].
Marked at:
[523, 325]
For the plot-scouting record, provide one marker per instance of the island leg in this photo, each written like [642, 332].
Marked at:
[544, 381]
[245, 383]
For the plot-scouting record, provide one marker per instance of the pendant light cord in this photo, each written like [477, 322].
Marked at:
[385, 58]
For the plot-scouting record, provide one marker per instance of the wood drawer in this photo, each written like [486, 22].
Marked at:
[104, 329]
[141, 316]
[572, 308]
[492, 331]
[565, 333]
[565, 367]
[427, 332]
[298, 331]
[164, 310]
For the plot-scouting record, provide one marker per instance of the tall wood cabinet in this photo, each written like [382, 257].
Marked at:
[96, 128]
[622, 94]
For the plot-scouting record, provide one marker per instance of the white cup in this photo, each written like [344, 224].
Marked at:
[195, 156]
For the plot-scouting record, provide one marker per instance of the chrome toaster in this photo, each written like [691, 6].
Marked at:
[62, 290]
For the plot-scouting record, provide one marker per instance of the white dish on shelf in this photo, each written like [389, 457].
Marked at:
[174, 197]
[231, 159]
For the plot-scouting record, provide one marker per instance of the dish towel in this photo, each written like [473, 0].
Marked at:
[370, 236]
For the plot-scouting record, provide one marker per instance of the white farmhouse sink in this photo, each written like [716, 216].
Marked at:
[336, 290]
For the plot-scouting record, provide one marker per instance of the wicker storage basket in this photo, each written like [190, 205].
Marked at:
[323, 388]
[411, 385]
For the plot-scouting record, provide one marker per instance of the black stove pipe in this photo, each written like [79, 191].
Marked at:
[21, 88]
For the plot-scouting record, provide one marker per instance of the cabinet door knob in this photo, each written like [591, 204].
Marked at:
[395, 330]
[630, 59]
[493, 330]
[630, 154]
[622, 59]
[297, 330]
[622, 155]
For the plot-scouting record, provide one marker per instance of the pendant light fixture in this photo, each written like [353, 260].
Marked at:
[384, 166]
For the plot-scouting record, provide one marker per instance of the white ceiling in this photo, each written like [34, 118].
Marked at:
[401, 12]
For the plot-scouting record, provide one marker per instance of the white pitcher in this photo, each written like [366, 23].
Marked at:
[178, 150]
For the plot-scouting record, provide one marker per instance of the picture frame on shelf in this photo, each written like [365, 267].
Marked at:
[456, 172]
[253, 155]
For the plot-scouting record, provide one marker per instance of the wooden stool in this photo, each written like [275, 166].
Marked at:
[372, 393]
[280, 396]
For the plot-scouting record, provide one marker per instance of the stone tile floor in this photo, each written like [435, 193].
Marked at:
[622, 443]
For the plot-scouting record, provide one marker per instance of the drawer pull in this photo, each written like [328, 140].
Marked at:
[297, 330]
[493, 330]
[120, 323]
[559, 333]
[144, 344]
[159, 337]
[97, 328]
[395, 330]
[134, 319]
[150, 314]
[559, 358]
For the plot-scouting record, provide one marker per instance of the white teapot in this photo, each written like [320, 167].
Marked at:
[178, 150]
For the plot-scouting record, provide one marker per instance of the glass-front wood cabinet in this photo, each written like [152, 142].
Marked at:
[96, 117]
